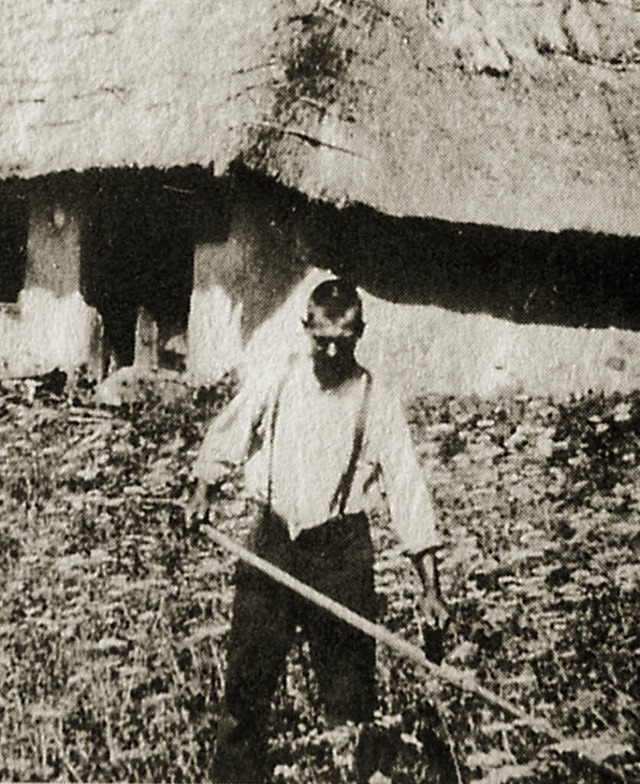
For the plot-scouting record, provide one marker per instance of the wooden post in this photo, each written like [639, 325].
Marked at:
[146, 341]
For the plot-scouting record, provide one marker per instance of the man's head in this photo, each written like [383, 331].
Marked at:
[334, 324]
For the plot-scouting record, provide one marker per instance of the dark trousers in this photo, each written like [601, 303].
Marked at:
[336, 559]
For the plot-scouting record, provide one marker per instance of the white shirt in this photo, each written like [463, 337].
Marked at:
[313, 443]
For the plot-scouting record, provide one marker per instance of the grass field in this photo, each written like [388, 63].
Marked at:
[113, 619]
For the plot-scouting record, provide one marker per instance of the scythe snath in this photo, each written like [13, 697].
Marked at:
[404, 648]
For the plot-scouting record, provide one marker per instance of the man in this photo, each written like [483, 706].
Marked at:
[316, 444]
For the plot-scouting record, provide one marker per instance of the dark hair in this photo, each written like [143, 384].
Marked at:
[335, 297]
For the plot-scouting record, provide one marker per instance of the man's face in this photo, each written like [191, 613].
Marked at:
[333, 342]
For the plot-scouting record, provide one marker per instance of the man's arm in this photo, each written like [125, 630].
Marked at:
[408, 496]
[427, 567]
[410, 502]
[225, 446]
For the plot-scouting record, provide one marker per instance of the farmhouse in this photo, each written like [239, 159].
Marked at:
[175, 176]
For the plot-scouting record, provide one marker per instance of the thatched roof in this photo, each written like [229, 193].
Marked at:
[523, 113]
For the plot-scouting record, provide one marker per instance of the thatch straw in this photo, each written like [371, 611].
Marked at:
[521, 114]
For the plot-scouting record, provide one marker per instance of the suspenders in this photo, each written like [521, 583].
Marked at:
[272, 438]
[343, 490]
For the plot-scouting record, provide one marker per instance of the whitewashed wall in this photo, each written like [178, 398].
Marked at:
[421, 348]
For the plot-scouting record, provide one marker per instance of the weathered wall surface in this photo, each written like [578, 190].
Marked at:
[251, 288]
[51, 325]
[430, 348]
[450, 308]
[243, 279]
[424, 348]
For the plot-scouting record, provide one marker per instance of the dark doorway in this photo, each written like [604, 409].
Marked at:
[139, 254]
[14, 225]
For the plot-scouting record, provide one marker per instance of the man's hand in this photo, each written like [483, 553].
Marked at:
[435, 615]
[434, 611]
[197, 507]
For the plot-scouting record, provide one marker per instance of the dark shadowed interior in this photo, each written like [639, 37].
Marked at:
[571, 278]
[138, 252]
[14, 224]
[142, 226]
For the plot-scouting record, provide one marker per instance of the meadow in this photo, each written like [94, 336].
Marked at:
[113, 616]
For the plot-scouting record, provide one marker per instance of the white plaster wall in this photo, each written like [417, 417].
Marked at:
[420, 348]
[45, 331]
[214, 330]
[426, 348]
[417, 348]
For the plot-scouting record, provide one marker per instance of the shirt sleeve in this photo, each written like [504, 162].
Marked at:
[231, 435]
[408, 496]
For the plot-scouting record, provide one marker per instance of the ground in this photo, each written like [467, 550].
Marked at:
[113, 618]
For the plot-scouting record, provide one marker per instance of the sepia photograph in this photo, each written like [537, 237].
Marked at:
[320, 391]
